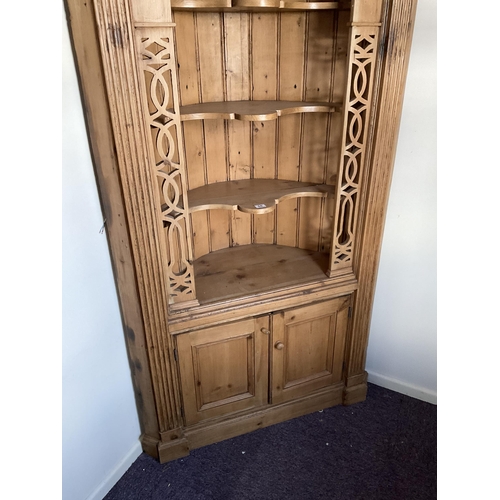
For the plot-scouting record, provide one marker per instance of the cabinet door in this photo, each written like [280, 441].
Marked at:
[224, 369]
[308, 348]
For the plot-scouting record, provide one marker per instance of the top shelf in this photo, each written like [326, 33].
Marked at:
[256, 5]
[253, 110]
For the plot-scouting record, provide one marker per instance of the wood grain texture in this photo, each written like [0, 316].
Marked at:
[251, 269]
[224, 369]
[225, 428]
[222, 58]
[305, 342]
[139, 193]
[257, 5]
[83, 31]
[254, 196]
[157, 77]
[253, 110]
[251, 67]
[363, 50]
[398, 33]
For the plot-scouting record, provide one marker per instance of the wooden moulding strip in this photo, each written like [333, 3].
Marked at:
[253, 196]
[154, 25]
[237, 5]
[208, 433]
[263, 303]
[253, 110]
[201, 4]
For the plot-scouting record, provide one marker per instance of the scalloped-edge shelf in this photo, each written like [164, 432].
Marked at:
[257, 5]
[253, 110]
[253, 196]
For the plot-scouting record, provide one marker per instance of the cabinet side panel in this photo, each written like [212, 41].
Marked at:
[397, 41]
[141, 197]
[98, 121]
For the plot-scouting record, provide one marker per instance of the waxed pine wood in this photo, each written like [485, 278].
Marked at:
[224, 369]
[300, 104]
[231, 67]
[307, 348]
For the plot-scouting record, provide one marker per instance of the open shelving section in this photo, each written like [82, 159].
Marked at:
[261, 87]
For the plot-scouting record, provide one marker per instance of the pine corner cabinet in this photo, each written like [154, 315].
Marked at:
[243, 151]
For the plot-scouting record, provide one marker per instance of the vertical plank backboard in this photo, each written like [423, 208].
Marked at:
[291, 87]
[264, 84]
[189, 93]
[211, 62]
[238, 87]
[319, 63]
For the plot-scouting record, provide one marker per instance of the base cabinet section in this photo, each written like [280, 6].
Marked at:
[263, 361]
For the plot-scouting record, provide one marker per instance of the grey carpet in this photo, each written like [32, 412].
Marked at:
[384, 448]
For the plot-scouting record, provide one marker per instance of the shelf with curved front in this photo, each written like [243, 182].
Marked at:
[262, 5]
[252, 269]
[253, 110]
[253, 196]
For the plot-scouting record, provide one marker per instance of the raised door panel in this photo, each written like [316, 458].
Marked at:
[224, 369]
[308, 348]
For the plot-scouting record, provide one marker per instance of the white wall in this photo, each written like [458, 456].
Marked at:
[100, 423]
[402, 349]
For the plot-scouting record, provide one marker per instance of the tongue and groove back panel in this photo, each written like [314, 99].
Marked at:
[233, 56]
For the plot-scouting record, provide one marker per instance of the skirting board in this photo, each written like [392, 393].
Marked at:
[112, 478]
[402, 387]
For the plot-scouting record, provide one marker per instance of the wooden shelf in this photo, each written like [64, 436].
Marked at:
[253, 110]
[252, 269]
[253, 196]
[251, 5]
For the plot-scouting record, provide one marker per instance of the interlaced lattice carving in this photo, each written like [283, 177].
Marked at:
[362, 58]
[159, 72]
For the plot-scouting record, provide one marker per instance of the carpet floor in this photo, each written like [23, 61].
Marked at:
[383, 448]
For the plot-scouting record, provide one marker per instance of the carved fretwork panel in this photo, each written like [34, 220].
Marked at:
[362, 55]
[159, 82]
